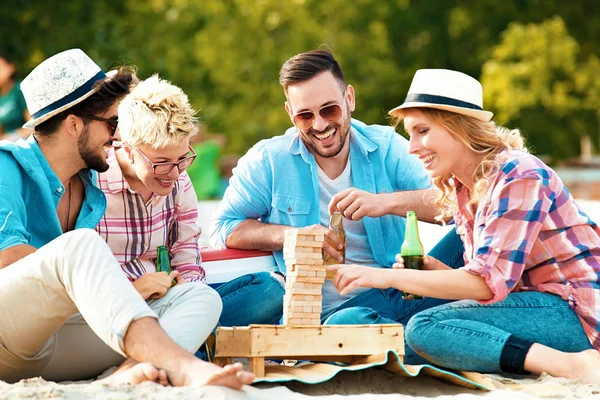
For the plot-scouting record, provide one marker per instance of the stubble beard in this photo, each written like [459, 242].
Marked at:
[86, 152]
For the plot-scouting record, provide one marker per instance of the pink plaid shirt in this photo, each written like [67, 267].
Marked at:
[134, 229]
[529, 234]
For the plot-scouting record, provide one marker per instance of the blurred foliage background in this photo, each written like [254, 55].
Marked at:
[538, 60]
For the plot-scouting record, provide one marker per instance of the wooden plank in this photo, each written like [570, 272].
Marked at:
[257, 366]
[303, 341]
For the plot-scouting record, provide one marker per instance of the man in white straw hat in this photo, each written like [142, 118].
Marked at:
[528, 296]
[329, 161]
[52, 264]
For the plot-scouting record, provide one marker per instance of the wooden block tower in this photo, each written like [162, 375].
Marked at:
[302, 252]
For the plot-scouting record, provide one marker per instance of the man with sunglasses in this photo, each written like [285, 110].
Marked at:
[328, 160]
[54, 266]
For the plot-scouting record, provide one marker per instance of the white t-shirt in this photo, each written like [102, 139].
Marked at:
[358, 250]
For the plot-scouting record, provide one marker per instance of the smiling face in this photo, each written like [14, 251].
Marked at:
[95, 137]
[439, 150]
[325, 138]
[160, 185]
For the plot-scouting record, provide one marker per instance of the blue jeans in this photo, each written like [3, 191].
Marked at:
[470, 336]
[252, 299]
[385, 306]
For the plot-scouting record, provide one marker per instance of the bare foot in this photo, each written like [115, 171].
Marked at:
[132, 373]
[586, 366]
[203, 373]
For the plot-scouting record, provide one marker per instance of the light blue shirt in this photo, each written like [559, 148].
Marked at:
[30, 192]
[277, 182]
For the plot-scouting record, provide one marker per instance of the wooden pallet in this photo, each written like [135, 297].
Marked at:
[343, 343]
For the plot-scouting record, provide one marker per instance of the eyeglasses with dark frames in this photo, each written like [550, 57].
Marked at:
[112, 122]
[164, 168]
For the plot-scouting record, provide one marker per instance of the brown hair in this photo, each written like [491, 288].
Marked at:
[111, 90]
[305, 66]
[484, 138]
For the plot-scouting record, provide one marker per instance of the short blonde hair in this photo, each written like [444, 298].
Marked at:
[484, 138]
[157, 113]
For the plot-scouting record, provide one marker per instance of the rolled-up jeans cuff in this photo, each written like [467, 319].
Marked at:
[512, 358]
[121, 323]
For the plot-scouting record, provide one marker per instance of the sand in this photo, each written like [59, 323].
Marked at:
[368, 384]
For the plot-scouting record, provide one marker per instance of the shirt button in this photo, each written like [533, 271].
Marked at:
[60, 190]
[289, 209]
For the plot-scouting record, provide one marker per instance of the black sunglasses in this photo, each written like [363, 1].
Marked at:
[112, 122]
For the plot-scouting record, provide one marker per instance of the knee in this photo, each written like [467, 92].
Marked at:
[81, 240]
[268, 281]
[201, 297]
[352, 316]
[414, 331]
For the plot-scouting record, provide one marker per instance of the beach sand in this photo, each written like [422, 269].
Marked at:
[368, 384]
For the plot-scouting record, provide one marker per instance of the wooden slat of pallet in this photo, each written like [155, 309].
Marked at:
[302, 341]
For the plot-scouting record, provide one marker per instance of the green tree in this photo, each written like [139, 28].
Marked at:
[533, 75]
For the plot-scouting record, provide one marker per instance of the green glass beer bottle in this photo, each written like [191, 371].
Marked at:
[163, 264]
[412, 249]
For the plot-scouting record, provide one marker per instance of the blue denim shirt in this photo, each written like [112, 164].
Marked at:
[30, 192]
[277, 182]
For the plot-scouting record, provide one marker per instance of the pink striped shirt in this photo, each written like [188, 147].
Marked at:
[134, 229]
[529, 234]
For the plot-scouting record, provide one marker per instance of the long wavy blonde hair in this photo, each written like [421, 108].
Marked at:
[484, 138]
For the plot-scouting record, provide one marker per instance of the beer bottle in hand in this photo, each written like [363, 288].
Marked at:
[163, 264]
[337, 226]
[412, 249]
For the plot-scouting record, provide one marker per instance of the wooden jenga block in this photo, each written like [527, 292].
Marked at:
[288, 243]
[304, 261]
[295, 232]
[306, 279]
[304, 303]
[291, 284]
[311, 321]
[303, 291]
[293, 321]
[288, 298]
[309, 267]
[291, 255]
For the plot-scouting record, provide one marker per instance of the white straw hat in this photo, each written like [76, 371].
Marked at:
[446, 90]
[59, 83]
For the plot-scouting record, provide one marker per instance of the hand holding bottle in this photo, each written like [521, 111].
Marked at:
[429, 263]
[154, 285]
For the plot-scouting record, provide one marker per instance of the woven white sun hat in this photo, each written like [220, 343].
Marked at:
[448, 90]
[59, 83]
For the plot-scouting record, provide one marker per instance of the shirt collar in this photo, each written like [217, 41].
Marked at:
[115, 180]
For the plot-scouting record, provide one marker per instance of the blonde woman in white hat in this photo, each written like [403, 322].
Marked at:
[528, 297]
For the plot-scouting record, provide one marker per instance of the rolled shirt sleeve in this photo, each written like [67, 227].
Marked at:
[506, 228]
[13, 213]
[184, 234]
[248, 196]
